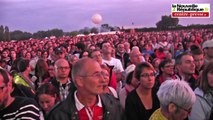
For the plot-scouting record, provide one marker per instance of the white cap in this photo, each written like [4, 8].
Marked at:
[208, 43]
[129, 69]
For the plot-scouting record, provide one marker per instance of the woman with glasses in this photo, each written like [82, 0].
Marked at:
[201, 110]
[143, 101]
[166, 72]
[176, 100]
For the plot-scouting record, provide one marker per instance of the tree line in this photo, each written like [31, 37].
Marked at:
[166, 23]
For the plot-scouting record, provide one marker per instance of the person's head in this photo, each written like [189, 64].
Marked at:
[185, 64]
[120, 48]
[13, 54]
[87, 76]
[4, 53]
[166, 67]
[130, 80]
[47, 96]
[96, 55]
[59, 53]
[198, 57]
[62, 69]
[83, 54]
[41, 68]
[51, 70]
[156, 63]
[105, 72]
[5, 88]
[135, 56]
[208, 48]
[127, 46]
[206, 81]
[45, 54]
[23, 65]
[106, 47]
[28, 56]
[145, 74]
[176, 99]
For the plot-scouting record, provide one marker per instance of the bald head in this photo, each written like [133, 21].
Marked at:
[61, 61]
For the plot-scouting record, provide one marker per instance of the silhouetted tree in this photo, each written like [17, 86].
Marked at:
[1, 33]
[7, 34]
[94, 30]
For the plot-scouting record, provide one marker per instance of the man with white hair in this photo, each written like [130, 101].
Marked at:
[136, 56]
[176, 100]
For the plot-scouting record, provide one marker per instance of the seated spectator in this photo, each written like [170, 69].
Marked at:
[203, 106]
[176, 100]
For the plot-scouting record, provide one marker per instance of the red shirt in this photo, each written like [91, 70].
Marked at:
[95, 112]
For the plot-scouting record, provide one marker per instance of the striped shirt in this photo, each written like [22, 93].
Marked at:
[21, 108]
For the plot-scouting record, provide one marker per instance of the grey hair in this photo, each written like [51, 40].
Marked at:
[78, 67]
[177, 92]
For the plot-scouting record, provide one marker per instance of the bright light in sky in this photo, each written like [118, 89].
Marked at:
[69, 15]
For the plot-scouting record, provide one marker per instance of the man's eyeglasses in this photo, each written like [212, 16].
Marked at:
[2, 87]
[146, 75]
[61, 68]
[96, 74]
[187, 110]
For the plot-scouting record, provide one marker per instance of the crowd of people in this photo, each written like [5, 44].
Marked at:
[165, 75]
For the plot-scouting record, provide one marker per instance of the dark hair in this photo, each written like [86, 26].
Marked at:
[4, 74]
[49, 89]
[22, 65]
[162, 65]
[203, 84]
[195, 50]
[105, 41]
[140, 67]
[129, 78]
[179, 57]
[90, 52]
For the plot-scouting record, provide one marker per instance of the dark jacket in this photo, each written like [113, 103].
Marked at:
[67, 110]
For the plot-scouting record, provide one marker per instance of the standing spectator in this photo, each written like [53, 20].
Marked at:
[41, 72]
[143, 101]
[122, 55]
[106, 88]
[62, 81]
[166, 72]
[12, 57]
[131, 84]
[14, 108]
[47, 96]
[176, 100]
[87, 102]
[23, 76]
[185, 66]
[136, 56]
[208, 51]
[203, 106]
[198, 56]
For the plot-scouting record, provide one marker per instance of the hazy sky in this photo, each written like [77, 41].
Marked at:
[69, 15]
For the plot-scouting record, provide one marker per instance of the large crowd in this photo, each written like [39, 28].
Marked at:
[165, 75]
